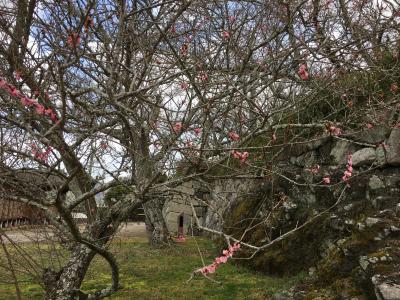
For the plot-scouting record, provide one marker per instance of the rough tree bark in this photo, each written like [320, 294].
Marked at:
[156, 228]
[65, 284]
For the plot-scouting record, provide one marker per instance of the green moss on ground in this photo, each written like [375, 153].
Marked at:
[148, 273]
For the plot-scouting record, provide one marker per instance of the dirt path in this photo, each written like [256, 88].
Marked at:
[132, 229]
[43, 233]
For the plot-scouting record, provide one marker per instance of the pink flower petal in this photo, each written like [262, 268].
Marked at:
[226, 34]
[177, 127]
[326, 180]
[40, 110]
[233, 136]
[223, 259]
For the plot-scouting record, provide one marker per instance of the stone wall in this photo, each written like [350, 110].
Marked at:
[224, 194]
[353, 251]
[179, 206]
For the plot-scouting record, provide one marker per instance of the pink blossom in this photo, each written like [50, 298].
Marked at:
[245, 155]
[43, 156]
[326, 180]
[73, 40]
[303, 73]
[347, 173]
[197, 131]
[180, 238]
[40, 110]
[231, 18]
[15, 92]
[315, 169]
[218, 260]
[226, 34]
[349, 168]
[53, 117]
[226, 254]
[233, 136]
[394, 88]
[236, 246]
[211, 268]
[334, 130]
[223, 259]
[241, 156]
[25, 101]
[184, 85]
[273, 137]
[369, 125]
[48, 111]
[204, 77]
[177, 127]
[350, 159]
[337, 131]
[236, 154]
[3, 83]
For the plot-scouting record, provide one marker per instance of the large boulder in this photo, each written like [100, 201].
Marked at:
[387, 287]
[374, 135]
[365, 156]
[340, 151]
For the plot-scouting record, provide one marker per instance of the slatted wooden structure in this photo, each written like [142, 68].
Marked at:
[14, 185]
[14, 213]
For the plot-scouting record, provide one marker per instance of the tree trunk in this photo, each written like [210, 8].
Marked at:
[65, 284]
[156, 228]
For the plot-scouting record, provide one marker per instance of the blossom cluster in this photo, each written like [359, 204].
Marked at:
[303, 73]
[326, 180]
[334, 130]
[25, 101]
[43, 156]
[233, 136]
[226, 254]
[226, 34]
[349, 168]
[242, 156]
[74, 40]
[177, 127]
[197, 131]
[315, 169]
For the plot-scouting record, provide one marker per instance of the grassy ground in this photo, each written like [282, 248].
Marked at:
[162, 273]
